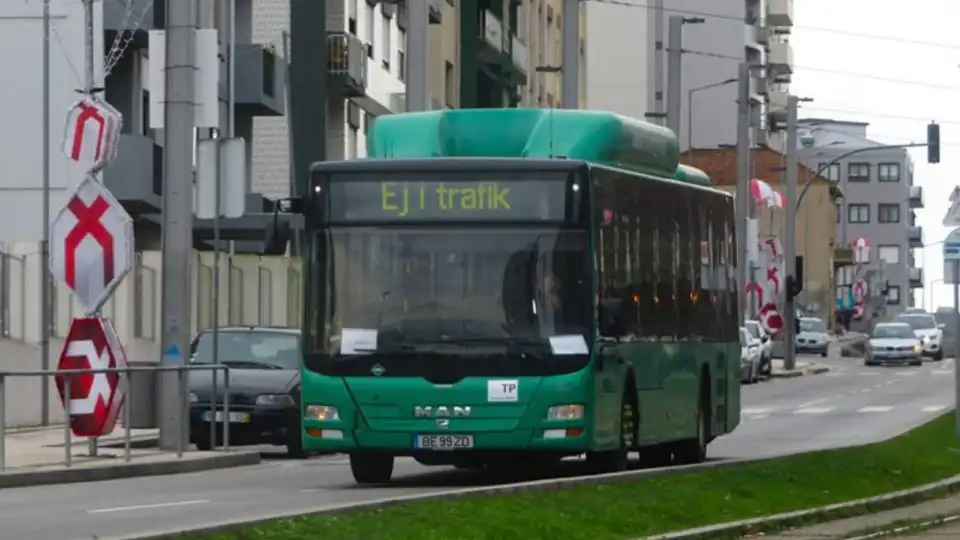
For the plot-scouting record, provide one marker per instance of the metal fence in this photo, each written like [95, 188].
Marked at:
[124, 382]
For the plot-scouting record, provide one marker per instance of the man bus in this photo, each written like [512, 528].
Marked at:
[504, 288]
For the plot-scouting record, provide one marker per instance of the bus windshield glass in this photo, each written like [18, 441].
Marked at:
[452, 288]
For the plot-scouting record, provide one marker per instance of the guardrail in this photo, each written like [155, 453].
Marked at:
[125, 372]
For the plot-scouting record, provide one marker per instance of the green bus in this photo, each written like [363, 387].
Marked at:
[510, 287]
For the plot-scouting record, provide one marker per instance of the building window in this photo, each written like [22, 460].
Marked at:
[449, 85]
[839, 212]
[401, 55]
[385, 56]
[353, 144]
[858, 172]
[831, 172]
[893, 295]
[889, 254]
[888, 213]
[352, 16]
[858, 213]
[371, 29]
[888, 172]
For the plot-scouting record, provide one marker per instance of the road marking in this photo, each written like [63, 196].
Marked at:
[814, 410]
[934, 409]
[874, 409]
[868, 373]
[146, 506]
[812, 403]
[942, 372]
[908, 373]
[755, 410]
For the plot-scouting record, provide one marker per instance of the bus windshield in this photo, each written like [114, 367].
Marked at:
[453, 288]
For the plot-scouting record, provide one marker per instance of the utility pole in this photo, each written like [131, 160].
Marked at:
[743, 184]
[790, 232]
[177, 235]
[418, 31]
[308, 88]
[674, 67]
[45, 242]
[570, 83]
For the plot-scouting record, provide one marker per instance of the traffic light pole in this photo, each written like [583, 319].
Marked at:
[790, 230]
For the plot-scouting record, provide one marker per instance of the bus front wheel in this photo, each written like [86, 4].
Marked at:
[695, 450]
[371, 468]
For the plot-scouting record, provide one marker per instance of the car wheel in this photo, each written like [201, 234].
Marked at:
[938, 356]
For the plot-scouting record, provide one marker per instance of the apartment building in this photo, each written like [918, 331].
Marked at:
[880, 204]
[627, 67]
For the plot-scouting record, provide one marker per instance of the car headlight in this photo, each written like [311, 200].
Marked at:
[194, 397]
[917, 348]
[565, 412]
[321, 412]
[275, 400]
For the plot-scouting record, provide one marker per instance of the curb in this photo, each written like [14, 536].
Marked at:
[833, 512]
[815, 370]
[547, 485]
[127, 470]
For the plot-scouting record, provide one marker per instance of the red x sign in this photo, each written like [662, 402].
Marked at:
[91, 247]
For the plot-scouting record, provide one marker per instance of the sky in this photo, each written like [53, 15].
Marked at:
[895, 65]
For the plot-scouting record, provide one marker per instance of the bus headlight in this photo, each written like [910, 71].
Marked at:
[321, 412]
[565, 412]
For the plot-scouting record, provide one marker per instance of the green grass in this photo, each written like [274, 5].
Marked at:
[648, 506]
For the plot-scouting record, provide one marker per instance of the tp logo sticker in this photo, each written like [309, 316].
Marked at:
[503, 391]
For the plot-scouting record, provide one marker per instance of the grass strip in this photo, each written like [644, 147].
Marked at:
[650, 506]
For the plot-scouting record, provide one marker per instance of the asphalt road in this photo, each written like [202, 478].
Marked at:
[849, 406]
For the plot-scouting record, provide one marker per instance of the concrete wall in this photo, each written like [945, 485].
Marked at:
[253, 290]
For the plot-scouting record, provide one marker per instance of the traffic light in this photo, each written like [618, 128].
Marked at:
[795, 279]
[796, 325]
[933, 142]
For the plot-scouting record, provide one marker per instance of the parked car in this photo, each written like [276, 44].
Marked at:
[926, 328]
[893, 343]
[766, 345]
[749, 357]
[264, 405]
[915, 311]
[813, 337]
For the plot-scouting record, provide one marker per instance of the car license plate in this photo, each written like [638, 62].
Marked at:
[443, 442]
[235, 417]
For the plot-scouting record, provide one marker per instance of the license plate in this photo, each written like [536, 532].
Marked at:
[443, 442]
[235, 417]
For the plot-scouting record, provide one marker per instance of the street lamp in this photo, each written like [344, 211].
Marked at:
[690, 107]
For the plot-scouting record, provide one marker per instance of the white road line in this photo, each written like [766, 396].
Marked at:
[874, 409]
[868, 373]
[146, 506]
[812, 403]
[813, 410]
[755, 410]
[908, 373]
[934, 409]
[942, 372]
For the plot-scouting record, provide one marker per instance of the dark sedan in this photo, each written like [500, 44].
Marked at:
[264, 406]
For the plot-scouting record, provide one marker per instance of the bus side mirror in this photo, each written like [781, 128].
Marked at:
[610, 318]
[277, 237]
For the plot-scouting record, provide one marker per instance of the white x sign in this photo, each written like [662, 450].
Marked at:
[100, 388]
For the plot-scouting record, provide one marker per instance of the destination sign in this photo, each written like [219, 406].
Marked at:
[458, 200]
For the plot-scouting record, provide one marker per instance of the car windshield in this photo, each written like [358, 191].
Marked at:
[450, 289]
[919, 322]
[263, 349]
[754, 329]
[812, 325]
[889, 331]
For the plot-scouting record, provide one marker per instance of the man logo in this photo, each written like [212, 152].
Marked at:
[442, 411]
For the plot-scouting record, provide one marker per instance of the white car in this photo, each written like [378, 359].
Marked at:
[813, 337]
[766, 345]
[893, 343]
[749, 357]
[926, 328]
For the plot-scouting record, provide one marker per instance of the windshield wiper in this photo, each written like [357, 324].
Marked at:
[250, 363]
[540, 350]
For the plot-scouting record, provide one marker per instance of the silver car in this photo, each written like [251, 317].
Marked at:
[813, 336]
[893, 343]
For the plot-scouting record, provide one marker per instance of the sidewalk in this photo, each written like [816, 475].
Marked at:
[801, 368]
[39, 456]
[872, 523]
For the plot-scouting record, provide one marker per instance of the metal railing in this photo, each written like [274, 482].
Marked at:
[125, 372]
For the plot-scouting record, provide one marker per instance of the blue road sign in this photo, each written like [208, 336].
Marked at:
[951, 246]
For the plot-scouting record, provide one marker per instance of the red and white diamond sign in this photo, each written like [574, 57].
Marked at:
[92, 243]
[95, 398]
[92, 133]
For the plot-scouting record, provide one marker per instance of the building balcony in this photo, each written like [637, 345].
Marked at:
[434, 10]
[259, 81]
[842, 256]
[519, 54]
[915, 197]
[347, 64]
[915, 276]
[780, 58]
[915, 236]
[496, 51]
[780, 13]
[135, 178]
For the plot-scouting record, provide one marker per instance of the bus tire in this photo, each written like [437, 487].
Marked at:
[617, 460]
[658, 455]
[695, 450]
[371, 468]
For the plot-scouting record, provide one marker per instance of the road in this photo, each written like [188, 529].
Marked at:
[849, 406]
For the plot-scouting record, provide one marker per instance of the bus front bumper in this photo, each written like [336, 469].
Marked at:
[405, 443]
